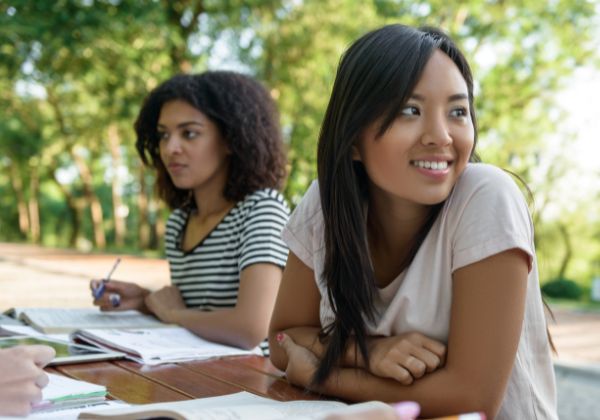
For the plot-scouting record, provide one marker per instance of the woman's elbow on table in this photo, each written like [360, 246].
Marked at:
[479, 394]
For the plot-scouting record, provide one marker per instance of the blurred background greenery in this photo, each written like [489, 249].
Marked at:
[73, 74]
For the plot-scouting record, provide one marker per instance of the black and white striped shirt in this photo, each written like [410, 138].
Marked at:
[208, 276]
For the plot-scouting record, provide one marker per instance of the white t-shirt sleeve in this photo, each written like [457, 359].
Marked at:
[490, 216]
[300, 233]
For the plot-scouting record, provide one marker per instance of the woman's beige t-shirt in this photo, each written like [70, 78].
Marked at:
[484, 215]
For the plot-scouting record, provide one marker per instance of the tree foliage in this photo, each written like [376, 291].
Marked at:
[73, 74]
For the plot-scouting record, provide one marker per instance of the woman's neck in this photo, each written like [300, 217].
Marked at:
[392, 229]
[395, 223]
[210, 201]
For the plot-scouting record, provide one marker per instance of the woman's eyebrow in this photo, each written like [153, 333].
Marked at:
[183, 124]
[452, 98]
[458, 97]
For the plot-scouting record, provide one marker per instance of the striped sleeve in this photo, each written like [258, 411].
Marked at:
[261, 233]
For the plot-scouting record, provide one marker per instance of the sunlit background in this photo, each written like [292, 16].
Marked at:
[73, 74]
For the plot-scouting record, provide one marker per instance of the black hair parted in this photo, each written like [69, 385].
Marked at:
[246, 117]
[375, 77]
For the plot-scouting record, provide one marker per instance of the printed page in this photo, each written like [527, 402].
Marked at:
[242, 405]
[162, 345]
[66, 320]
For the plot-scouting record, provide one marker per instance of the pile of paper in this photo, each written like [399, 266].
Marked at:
[63, 392]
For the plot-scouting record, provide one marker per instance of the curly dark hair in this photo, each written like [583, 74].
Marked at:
[247, 119]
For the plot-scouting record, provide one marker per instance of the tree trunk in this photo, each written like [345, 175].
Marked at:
[34, 206]
[566, 259]
[17, 184]
[114, 142]
[91, 198]
[74, 209]
[144, 220]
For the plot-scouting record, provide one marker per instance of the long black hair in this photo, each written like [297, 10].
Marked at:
[375, 77]
[247, 119]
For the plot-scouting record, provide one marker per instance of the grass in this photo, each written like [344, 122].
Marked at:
[584, 305]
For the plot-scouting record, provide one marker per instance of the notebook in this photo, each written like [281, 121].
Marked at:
[60, 320]
[153, 346]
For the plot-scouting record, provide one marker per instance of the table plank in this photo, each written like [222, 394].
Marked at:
[250, 380]
[123, 384]
[262, 364]
[181, 379]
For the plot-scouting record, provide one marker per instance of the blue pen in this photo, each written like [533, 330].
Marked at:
[98, 291]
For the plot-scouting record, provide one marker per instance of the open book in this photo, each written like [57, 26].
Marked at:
[59, 320]
[242, 405]
[153, 346]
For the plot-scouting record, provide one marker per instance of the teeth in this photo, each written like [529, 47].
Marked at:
[436, 166]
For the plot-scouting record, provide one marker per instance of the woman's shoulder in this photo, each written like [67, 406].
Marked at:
[265, 194]
[310, 204]
[483, 177]
[265, 199]
[308, 211]
[483, 191]
[177, 219]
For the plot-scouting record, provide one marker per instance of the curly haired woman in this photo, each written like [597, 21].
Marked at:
[215, 143]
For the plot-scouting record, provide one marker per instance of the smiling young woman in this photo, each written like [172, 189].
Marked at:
[412, 272]
[215, 144]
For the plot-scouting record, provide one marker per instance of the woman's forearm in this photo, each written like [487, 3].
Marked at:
[449, 390]
[441, 393]
[226, 326]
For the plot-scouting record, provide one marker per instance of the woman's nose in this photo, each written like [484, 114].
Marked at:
[172, 145]
[436, 132]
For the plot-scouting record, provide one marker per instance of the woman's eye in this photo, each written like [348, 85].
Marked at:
[187, 134]
[162, 135]
[410, 110]
[459, 112]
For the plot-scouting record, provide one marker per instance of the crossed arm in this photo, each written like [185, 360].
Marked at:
[486, 318]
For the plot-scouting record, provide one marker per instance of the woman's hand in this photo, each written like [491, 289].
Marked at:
[119, 296]
[302, 363]
[405, 357]
[165, 302]
[22, 378]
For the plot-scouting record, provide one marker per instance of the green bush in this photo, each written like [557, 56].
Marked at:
[562, 288]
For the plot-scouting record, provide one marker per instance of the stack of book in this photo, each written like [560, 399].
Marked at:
[62, 393]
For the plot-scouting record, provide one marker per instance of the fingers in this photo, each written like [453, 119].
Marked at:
[400, 374]
[115, 300]
[42, 380]
[286, 342]
[429, 352]
[430, 360]
[17, 399]
[437, 348]
[118, 295]
[416, 367]
[405, 357]
[39, 354]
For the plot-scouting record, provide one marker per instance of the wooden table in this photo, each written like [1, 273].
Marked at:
[139, 384]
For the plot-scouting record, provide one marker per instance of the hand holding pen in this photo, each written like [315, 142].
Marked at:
[98, 291]
[111, 295]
